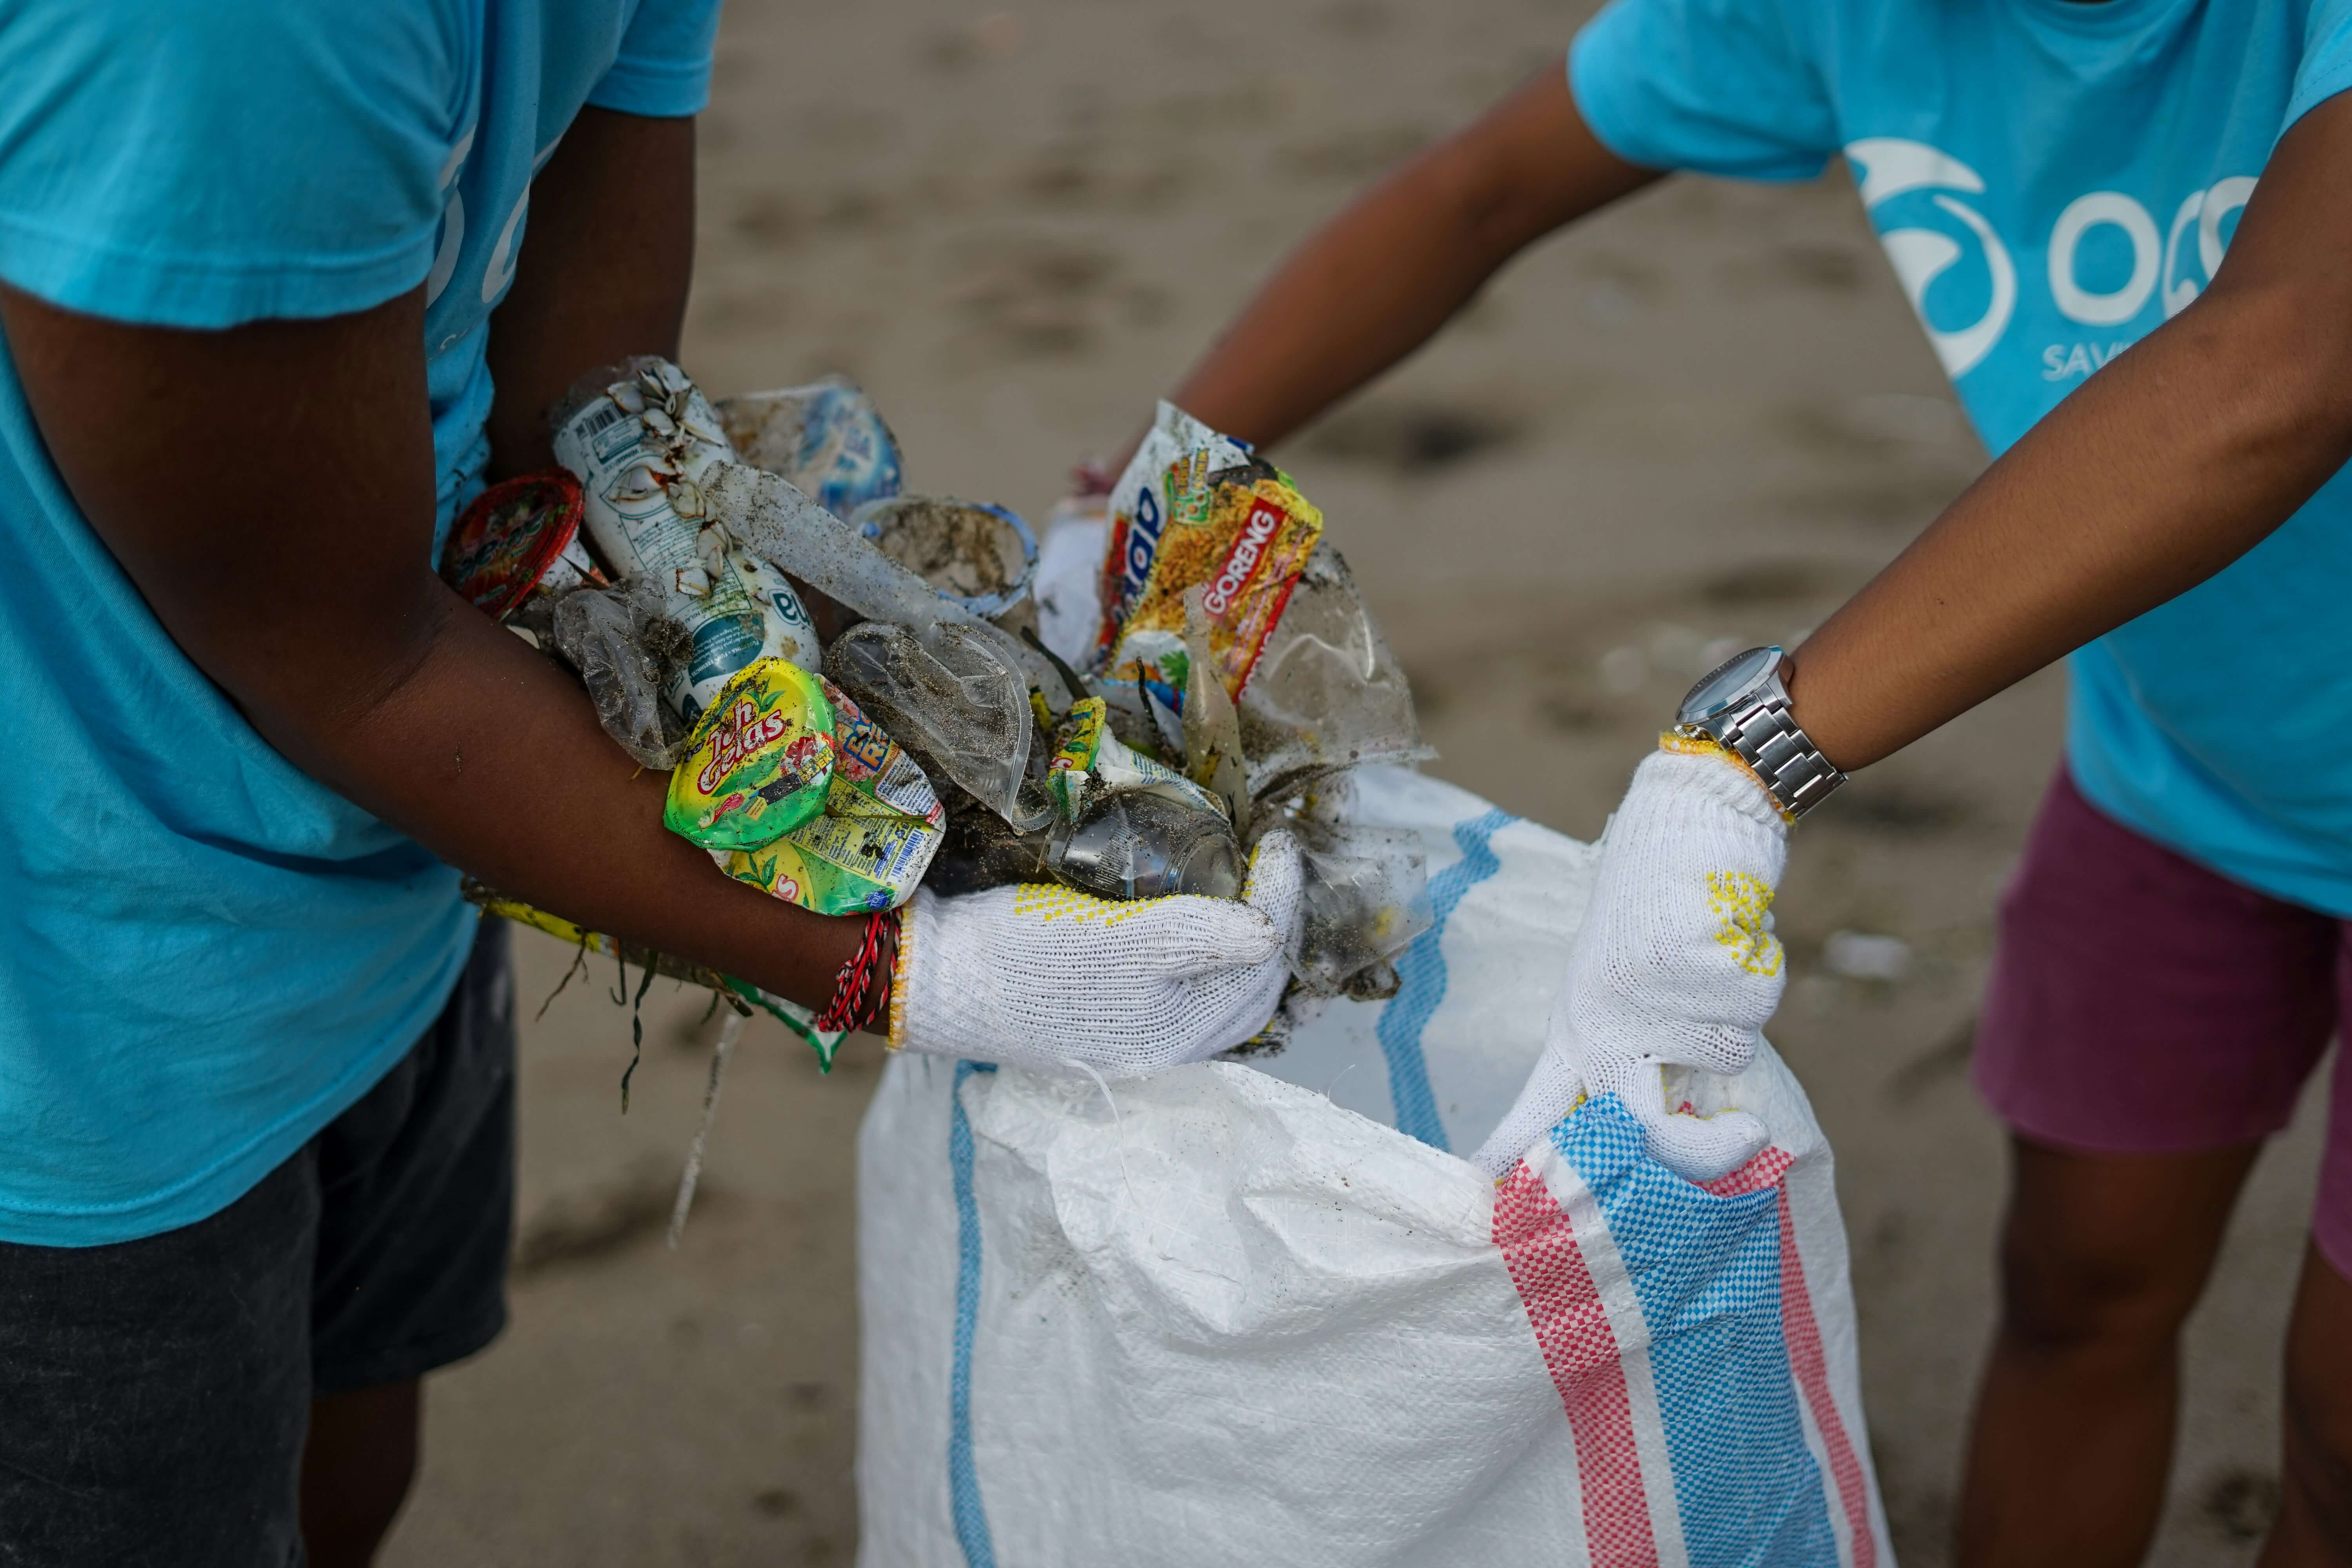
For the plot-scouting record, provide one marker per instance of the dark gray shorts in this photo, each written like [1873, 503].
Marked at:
[154, 1393]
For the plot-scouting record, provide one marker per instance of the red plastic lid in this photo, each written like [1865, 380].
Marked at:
[504, 543]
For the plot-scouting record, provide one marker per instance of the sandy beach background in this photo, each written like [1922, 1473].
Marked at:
[1705, 416]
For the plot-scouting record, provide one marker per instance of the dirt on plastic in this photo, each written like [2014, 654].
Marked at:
[964, 549]
[1711, 384]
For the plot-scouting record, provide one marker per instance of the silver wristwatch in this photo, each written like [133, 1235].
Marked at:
[1743, 704]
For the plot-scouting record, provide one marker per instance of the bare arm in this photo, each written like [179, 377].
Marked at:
[603, 274]
[299, 580]
[2176, 458]
[1380, 279]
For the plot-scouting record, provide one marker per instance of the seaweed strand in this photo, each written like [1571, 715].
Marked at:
[637, 1026]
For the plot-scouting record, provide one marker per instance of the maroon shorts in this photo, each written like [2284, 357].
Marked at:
[2142, 1005]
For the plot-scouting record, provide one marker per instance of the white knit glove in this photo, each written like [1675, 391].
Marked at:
[1037, 977]
[1675, 963]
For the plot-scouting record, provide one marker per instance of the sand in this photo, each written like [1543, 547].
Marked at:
[1691, 426]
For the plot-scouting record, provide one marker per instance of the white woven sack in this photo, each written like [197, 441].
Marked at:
[1233, 1313]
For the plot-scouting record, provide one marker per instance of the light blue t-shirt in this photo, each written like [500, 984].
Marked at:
[2052, 181]
[205, 956]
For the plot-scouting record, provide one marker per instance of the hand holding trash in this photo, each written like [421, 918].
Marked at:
[1675, 963]
[1036, 976]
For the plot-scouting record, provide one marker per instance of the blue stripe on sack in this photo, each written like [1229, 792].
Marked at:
[963, 1479]
[1421, 976]
[1706, 1272]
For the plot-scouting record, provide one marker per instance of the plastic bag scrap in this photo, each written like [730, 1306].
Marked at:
[625, 646]
[956, 705]
[643, 442]
[1326, 693]
[777, 522]
[1091, 763]
[1366, 892]
[827, 439]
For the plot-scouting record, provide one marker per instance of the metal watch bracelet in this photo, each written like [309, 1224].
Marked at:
[1769, 740]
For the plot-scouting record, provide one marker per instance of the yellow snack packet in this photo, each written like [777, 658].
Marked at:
[882, 822]
[758, 763]
[1255, 533]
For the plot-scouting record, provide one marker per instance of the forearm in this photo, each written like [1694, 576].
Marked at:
[492, 757]
[1359, 295]
[604, 276]
[2176, 458]
[1377, 281]
[2180, 457]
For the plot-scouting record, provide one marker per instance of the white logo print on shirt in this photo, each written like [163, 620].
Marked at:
[1892, 166]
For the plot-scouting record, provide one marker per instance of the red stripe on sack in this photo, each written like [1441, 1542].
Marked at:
[1806, 1359]
[1813, 1377]
[1764, 1171]
[1814, 1381]
[1581, 1351]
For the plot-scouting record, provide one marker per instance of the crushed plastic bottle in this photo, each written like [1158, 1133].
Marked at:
[957, 707]
[643, 442]
[826, 437]
[777, 524]
[1140, 845]
[1128, 843]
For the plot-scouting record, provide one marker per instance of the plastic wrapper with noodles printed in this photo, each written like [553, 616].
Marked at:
[882, 824]
[1241, 532]
[1179, 448]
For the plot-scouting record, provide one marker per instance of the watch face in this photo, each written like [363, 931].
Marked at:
[1729, 683]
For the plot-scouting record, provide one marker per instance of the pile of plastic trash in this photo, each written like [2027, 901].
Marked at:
[848, 686]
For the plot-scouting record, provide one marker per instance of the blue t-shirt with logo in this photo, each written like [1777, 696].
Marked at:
[207, 954]
[2052, 181]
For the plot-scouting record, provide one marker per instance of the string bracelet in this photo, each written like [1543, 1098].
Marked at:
[858, 1000]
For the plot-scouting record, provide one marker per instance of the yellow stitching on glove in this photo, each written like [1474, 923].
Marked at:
[1050, 902]
[1744, 901]
[899, 969]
